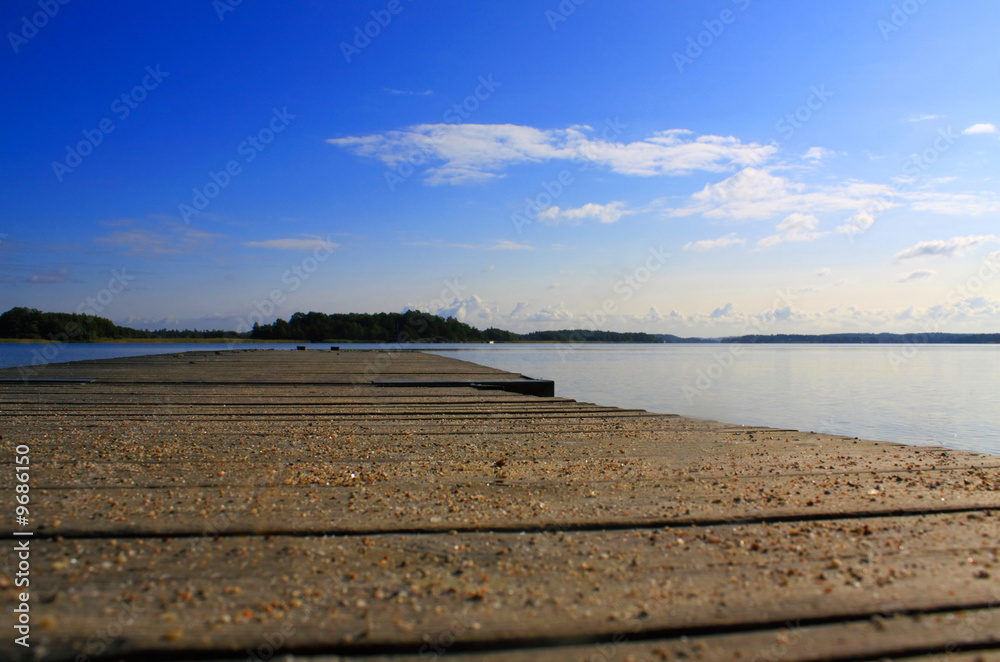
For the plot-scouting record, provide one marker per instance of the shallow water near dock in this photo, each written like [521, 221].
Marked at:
[936, 395]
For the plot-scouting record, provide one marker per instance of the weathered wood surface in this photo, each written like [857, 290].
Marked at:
[198, 506]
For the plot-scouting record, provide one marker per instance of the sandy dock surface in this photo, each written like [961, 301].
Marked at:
[257, 504]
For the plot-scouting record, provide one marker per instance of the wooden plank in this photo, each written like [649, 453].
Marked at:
[350, 593]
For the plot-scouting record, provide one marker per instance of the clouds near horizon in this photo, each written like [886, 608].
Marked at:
[954, 247]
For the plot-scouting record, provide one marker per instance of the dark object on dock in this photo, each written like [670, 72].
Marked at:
[543, 388]
[301, 348]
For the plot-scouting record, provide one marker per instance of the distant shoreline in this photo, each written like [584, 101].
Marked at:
[143, 341]
[861, 339]
[20, 325]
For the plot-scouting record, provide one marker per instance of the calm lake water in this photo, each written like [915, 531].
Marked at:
[943, 395]
[929, 394]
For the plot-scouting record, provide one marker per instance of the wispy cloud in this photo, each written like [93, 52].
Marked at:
[979, 128]
[922, 274]
[424, 93]
[499, 245]
[159, 239]
[50, 277]
[757, 193]
[709, 244]
[795, 227]
[818, 154]
[725, 311]
[294, 244]
[609, 213]
[954, 247]
[922, 118]
[506, 245]
[478, 152]
[955, 204]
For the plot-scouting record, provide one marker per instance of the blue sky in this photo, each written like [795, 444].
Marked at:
[698, 168]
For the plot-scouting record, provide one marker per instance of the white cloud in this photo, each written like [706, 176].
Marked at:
[507, 245]
[756, 193]
[798, 225]
[50, 277]
[922, 118]
[471, 310]
[922, 274]
[499, 245]
[708, 244]
[954, 247]
[973, 313]
[979, 128]
[460, 153]
[818, 154]
[857, 223]
[725, 311]
[942, 180]
[795, 227]
[553, 315]
[957, 204]
[294, 244]
[824, 271]
[653, 315]
[609, 213]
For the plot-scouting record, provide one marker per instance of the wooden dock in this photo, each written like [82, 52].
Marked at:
[256, 505]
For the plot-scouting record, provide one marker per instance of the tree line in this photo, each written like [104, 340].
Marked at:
[33, 324]
[411, 326]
